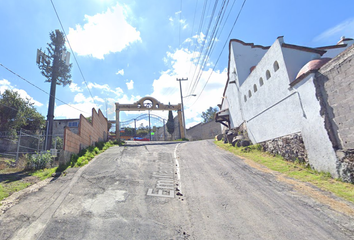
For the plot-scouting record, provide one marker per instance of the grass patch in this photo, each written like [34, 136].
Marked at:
[87, 154]
[9, 188]
[294, 170]
[43, 174]
[13, 184]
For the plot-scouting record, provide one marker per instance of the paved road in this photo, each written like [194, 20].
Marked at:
[171, 191]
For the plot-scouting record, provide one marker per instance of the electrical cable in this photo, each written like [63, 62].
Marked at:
[238, 15]
[40, 88]
[77, 63]
[210, 46]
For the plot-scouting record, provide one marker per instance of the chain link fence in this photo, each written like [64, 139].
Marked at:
[14, 145]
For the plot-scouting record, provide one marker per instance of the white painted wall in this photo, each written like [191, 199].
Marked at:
[318, 145]
[296, 59]
[246, 57]
[276, 109]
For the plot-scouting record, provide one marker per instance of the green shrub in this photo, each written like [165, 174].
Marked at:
[39, 161]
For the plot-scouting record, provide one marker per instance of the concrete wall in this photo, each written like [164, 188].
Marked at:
[204, 131]
[335, 89]
[89, 133]
[336, 82]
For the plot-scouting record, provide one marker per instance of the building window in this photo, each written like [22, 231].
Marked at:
[73, 124]
[254, 88]
[249, 93]
[276, 66]
[268, 74]
[261, 82]
[245, 98]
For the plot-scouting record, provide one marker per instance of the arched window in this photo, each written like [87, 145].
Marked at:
[276, 66]
[249, 93]
[261, 81]
[254, 88]
[268, 74]
[245, 98]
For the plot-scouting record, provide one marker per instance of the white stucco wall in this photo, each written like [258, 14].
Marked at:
[246, 56]
[319, 148]
[276, 109]
[296, 59]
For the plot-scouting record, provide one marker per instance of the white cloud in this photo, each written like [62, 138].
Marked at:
[166, 88]
[120, 72]
[130, 85]
[105, 88]
[345, 28]
[75, 88]
[6, 85]
[200, 37]
[170, 19]
[104, 33]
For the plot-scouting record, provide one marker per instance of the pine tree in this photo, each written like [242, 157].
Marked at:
[56, 71]
[170, 123]
[52, 66]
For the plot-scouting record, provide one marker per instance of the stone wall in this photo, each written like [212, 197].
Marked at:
[291, 147]
[345, 165]
[204, 131]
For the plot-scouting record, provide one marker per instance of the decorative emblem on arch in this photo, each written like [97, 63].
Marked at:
[147, 103]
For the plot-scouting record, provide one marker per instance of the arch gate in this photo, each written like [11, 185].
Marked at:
[148, 103]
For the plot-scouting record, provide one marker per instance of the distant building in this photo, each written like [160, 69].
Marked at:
[274, 95]
[60, 124]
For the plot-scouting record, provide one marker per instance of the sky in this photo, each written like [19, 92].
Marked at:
[126, 50]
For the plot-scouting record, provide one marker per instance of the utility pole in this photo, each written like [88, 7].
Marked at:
[53, 85]
[183, 119]
[56, 68]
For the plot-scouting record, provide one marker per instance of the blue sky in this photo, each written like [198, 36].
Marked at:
[130, 49]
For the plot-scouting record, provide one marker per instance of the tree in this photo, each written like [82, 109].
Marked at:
[56, 71]
[209, 114]
[170, 123]
[17, 113]
[52, 66]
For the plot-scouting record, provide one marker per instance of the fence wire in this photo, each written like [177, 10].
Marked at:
[13, 145]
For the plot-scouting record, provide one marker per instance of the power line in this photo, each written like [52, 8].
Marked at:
[39, 88]
[211, 43]
[238, 15]
[77, 63]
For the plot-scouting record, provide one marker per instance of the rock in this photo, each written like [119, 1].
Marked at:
[245, 143]
[56, 174]
[218, 137]
[230, 135]
[239, 137]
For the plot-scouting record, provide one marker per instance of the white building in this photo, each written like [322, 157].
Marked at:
[270, 91]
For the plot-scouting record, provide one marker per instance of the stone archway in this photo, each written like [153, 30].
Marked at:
[148, 103]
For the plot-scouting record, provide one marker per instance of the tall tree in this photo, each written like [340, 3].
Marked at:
[17, 113]
[170, 123]
[209, 114]
[56, 70]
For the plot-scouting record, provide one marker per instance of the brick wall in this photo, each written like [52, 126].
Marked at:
[88, 134]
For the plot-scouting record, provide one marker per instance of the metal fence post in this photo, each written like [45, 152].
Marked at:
[18, 146]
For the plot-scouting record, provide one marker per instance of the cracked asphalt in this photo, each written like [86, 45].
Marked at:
[172, 190]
